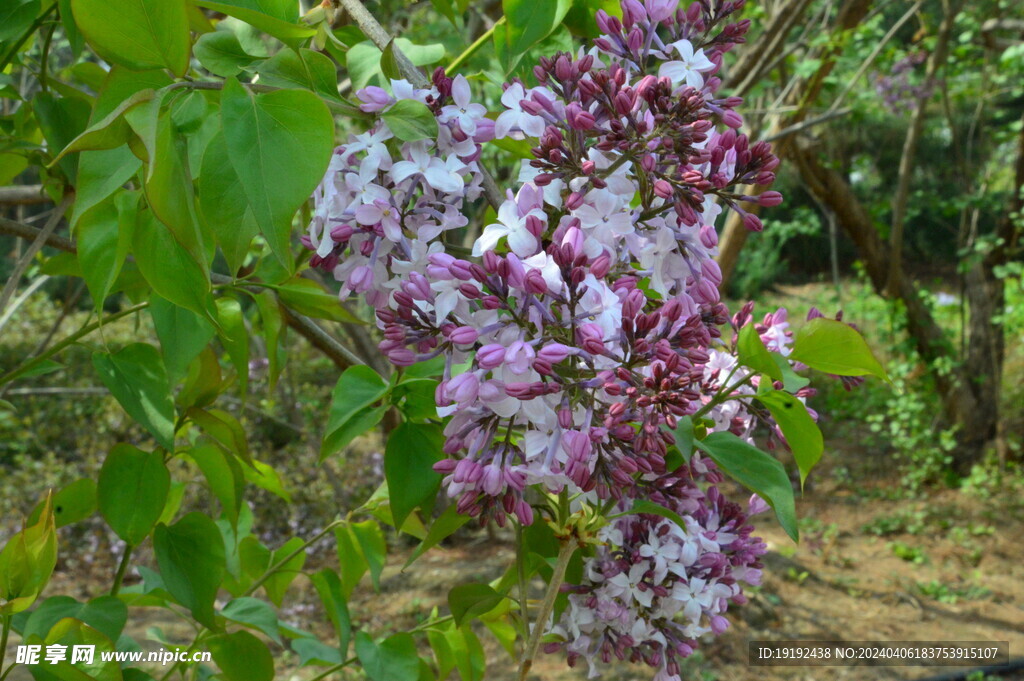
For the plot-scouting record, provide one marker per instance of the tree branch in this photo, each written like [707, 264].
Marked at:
[304, 326]
[37, 243]
[23, 194]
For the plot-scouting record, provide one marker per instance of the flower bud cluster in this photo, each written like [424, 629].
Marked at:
[587, 320]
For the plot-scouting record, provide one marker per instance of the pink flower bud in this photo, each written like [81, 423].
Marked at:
[574, 201]
[464, 335]
[490, 356]
[663, 189]
[600, 266]
[752, 223]
[361, 279]
[771, 198]
[463, 388]
[373, 98]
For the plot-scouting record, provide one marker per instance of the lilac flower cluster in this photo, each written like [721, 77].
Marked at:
[898, 92]
[586, 320]
[654, 587]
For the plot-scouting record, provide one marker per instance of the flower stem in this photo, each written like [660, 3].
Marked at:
[471, 50]
[122, 568]
[557, 577]
[6, 631]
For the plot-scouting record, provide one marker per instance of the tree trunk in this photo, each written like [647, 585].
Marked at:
[734, 235]
[970, 392]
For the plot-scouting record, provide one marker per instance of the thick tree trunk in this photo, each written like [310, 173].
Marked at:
[970, 392]
[804, 96]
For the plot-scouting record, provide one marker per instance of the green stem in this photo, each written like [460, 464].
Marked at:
[521, 573]
[273, 569]
[546, 606]
[40, 20]
[722, 396]
[471, 50]
[3, 638]
[122, 568]
[330, 670]
[70, 340]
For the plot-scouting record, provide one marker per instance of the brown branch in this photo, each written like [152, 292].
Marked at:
[23, 231]
[304, 326]
[916, 127]
[23, 194]
[37, 243]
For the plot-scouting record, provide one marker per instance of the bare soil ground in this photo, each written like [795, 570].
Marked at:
[949, 568]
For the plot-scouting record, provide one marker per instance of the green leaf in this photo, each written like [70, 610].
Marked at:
[277, 584]
[311, 651]
[16, 16]
[221, 54]
[646, 506]
[138, 34]
[272, 322]
[527, 23]
[411, 120]
[445, 526]
[753, 354]
[791, 381]
[61, 120]
[27, 562]
[309, 298]
[75, 502]
[801, 431]
[328, 586]
[445, 9]
[252, 612]
[241, 657]
[100, 174]
[267, 133]
[394, 659]
[305, 70]
[169, 268]
[70, 632]
[835, 348]
[412, 450]
[235, 338]
[225, 429]
[170, 193]
[372, 545]
[109, 132]
[183, 334]
[757, 471]
[223, 204]
[104, 233]
[470, 600]
[106, 614]
[276, 17]
[684, 441]
[351, 561]
[190, 554]
[223, 475]
[519, 148]
[265, 477]
[357, 389]
[132, 491]
[135, 375]
[363, 59]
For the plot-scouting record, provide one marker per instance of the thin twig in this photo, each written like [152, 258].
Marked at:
[540, 623]
[23, 194]
[26, 259]
[810, 123]
[305, 326]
